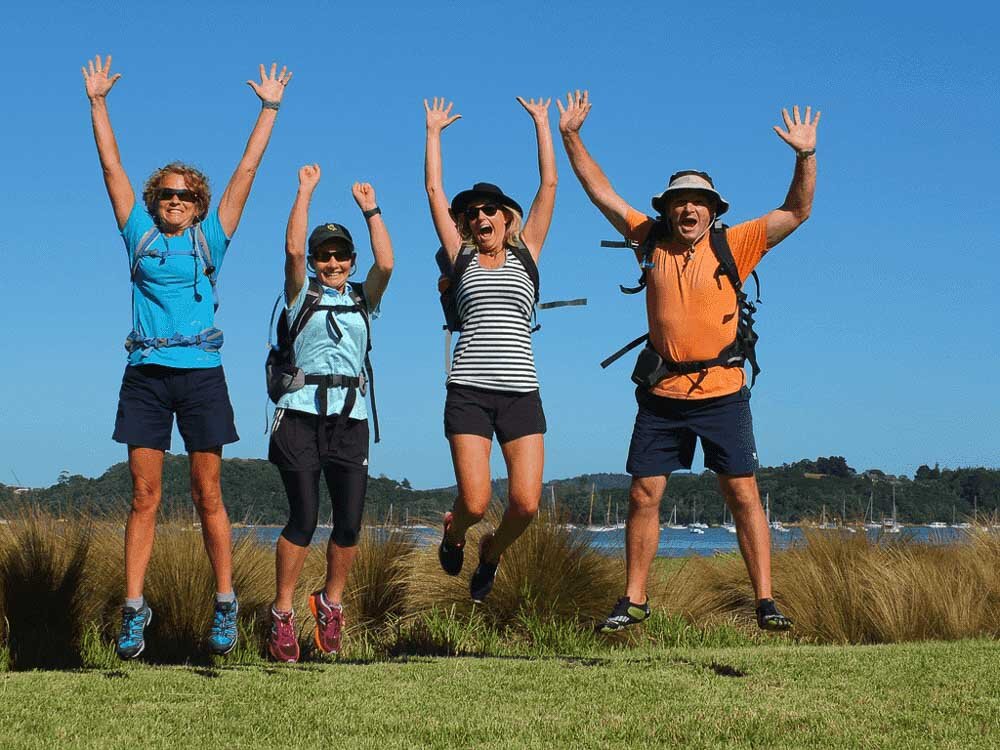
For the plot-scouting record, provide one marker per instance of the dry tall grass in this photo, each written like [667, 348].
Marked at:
[549, 574]
[846, 588]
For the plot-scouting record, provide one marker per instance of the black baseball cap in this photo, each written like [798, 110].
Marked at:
[326, 232]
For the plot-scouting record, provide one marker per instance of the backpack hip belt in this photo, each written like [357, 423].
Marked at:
[209, 340]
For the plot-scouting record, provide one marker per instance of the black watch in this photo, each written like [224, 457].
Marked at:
[371, 212]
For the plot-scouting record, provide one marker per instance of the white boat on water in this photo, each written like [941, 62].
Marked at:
[695, 529]
[730, 527]
[772, 525]
[937, 525]
[672, 523]
[891, 526]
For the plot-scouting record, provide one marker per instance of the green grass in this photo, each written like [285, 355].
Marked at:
[927, 695]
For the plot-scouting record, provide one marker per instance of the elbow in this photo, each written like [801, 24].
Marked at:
[293, 252]
[550, 183]
[385, 267]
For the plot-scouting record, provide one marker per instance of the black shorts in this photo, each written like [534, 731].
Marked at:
[476, 411]
[663, 438]
[151, 395]
[307, 442]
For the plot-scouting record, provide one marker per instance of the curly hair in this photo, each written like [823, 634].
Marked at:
[193, 178]
[511, 237]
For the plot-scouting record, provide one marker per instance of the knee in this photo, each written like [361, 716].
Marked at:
[207, 497]
[523, 507]
[742, 499]
[298, 534]
[641, 497]
[145, 497]
[345, 536]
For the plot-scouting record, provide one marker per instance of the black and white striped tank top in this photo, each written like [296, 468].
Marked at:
[494, 347]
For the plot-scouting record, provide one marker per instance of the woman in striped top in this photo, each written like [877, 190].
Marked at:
[492, 385]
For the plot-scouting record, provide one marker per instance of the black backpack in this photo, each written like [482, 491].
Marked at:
[282, 374]
[651, 367]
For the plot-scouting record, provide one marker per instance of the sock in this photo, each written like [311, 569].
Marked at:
[135, 603]
[227, 598]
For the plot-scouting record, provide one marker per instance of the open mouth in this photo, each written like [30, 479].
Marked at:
[484, 230]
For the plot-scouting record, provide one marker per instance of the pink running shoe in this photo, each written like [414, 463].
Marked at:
[282, 641]
[329, 623]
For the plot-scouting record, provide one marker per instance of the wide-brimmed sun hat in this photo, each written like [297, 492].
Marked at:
[326, 232]
[487, 193]
[689, 179]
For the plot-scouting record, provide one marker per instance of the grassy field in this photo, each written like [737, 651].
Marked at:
[929, 695]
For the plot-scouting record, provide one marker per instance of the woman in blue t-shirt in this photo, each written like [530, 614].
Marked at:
[175, 248]
[321, 423]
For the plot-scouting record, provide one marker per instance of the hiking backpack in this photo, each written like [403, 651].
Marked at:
[284, 376]
[651, 367]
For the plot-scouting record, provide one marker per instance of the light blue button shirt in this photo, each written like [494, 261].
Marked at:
[320, 351]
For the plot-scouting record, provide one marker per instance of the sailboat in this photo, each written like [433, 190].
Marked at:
[694, 527]
[843, 518]
[870, 513]
[672, 523]
[730, 527]
[607, 520]
[892, 527]
[773, 525]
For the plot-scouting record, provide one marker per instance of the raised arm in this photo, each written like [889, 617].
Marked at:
[595, 183]
[98, 84]
[801, 136]
[378, 277]
[270, 90]
[438, 118]
[536, 224]
[295, 232]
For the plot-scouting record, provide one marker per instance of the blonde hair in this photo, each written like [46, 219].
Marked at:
[195, 180]
[512, 236]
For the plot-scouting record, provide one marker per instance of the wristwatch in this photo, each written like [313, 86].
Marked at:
[371, 212]
[805, 154]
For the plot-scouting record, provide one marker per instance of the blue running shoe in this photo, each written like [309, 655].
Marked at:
[223, 635]
[131, 639]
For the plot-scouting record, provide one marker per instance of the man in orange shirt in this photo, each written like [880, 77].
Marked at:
[697, 388]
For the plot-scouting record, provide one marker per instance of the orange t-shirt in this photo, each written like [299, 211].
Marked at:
[692, 314]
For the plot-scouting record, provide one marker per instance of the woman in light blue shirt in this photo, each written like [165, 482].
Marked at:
[321, 423]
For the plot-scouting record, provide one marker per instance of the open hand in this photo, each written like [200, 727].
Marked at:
[539, 110]
[801, 134]
[364, 194]
[438, 115]
[572, 116]
[309, 177]
[95, 77]
[271, 87]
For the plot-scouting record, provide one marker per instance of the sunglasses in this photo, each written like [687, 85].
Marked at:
[341, 254]
[188, 196]
[472, 212]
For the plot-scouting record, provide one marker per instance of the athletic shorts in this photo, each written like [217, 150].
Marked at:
[663, 438]
[301, 441]
[151, 395]
[476, 411]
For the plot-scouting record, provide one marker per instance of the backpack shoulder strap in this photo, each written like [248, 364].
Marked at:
[724, 254]
[204, 251]
[142, 249]
[524, 256]
[659, 230]
[461, 264]
[314, 294]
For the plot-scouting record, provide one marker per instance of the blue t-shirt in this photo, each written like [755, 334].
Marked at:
[172, 294]
[320, 351]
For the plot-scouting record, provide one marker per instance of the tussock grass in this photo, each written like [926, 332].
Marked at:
[550, 574]
[850, 589]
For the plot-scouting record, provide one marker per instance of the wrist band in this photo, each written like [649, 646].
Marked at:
[270, 105]
[805, 154]
[371, 212]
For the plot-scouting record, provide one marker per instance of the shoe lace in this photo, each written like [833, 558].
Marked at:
[132, 622]
[224, 621]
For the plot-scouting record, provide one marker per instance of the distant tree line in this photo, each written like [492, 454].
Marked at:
[797, 492]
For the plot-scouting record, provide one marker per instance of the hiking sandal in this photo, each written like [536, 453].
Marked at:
[769, 618]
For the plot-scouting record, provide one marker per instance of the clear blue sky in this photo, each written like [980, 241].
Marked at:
[878, 328]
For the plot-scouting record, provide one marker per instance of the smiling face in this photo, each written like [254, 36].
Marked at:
[333, 261]
[487, 225]
[176, 204]
[690, 213]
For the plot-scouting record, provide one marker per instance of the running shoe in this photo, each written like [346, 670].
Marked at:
[132, 638]
[624, 614]
[222, 636]
[481, 583]
[282, 641]
[769, 618]
[329, 623]
[451, 556]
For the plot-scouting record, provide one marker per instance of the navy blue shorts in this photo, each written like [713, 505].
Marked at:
[663, 438]
[152, 394]
[477, 411]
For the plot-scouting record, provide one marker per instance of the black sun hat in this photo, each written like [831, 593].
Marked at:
[482, 191]
[326, 232]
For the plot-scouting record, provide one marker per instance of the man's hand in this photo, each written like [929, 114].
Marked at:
[364, 195]
[271, 87]
[800, 134]
[309, 177]
[539, 110]
[571, 116]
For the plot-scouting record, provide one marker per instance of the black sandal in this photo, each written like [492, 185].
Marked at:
[769, 618]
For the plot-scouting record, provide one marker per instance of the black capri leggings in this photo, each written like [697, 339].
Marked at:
[347, 486]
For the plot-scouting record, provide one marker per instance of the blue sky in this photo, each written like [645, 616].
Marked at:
[878, 328]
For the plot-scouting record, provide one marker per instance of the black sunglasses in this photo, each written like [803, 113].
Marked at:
[341, 254]
[472, 212]
[188, 196]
